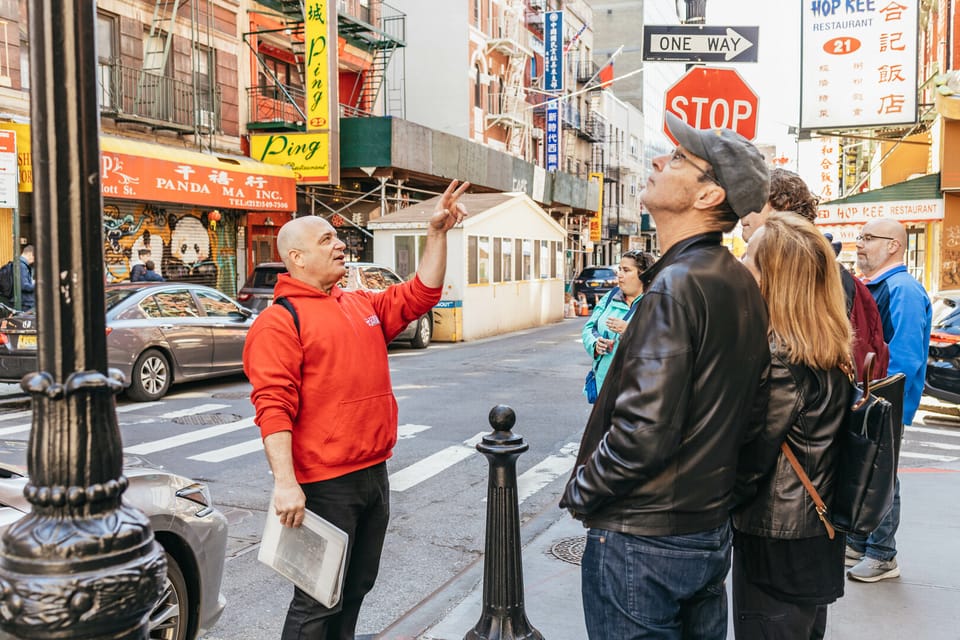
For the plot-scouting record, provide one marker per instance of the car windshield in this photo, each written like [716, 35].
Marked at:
[945, 312]
[599, 273]
[116, 296]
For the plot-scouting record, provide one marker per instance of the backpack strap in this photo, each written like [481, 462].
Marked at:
[286, 304]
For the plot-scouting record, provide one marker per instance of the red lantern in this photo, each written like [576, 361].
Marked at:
[214, 217]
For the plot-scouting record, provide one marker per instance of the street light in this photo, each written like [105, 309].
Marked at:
[81, 564]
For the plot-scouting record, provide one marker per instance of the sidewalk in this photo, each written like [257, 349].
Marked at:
[921, 604]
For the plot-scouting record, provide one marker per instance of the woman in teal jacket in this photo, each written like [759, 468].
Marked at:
[609, 319]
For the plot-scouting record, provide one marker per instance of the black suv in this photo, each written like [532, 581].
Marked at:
[594, 283]
[257, 293]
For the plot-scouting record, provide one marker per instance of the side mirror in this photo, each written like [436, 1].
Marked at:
[241, 314]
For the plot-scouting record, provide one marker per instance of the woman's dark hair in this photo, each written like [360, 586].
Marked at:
[788, 192]
[644, 259]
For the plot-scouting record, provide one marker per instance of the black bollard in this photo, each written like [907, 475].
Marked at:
[503, 617]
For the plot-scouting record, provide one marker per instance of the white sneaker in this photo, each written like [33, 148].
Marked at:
[852, 557]
[873, 570]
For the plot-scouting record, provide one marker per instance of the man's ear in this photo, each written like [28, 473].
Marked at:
[710, 196]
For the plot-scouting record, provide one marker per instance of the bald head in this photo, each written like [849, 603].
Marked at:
[312, 252]
[881, 246]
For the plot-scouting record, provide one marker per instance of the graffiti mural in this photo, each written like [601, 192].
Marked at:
[185, 247]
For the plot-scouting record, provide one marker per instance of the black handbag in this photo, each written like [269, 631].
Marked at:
[869, 442]
[869, 450]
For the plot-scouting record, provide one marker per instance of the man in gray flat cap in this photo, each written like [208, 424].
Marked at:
[657, 464]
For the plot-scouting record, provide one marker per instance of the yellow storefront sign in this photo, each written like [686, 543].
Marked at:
[596, 233]
[24, 157]
[318, 41]
[308, 154]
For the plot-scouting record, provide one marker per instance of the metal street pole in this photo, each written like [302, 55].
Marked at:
[81, 564]
[696, 14]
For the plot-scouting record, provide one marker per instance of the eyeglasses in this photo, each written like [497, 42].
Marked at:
[678, 157]
[869, 237]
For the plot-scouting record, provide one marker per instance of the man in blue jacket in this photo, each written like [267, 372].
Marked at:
[906, 313]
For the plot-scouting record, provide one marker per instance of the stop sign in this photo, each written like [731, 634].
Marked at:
[711, 98]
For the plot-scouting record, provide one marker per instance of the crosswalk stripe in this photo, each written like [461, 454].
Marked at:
[927, 456]
[406, 431]
[937, 432]
[433, 464]
[17, 428]
[544, 472]
[934, 445]
[228, 453]
[16, 415]
[192, 411]
[186, 438]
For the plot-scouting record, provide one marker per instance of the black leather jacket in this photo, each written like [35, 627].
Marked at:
[807, 408]
[659, 452]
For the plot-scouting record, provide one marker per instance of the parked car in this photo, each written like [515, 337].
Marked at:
[257, 293]
[158, 333]
[943, 362]
[594, 283]
[192, 532]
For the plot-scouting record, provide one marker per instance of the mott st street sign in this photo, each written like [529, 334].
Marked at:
[713, 98]
[693, 43]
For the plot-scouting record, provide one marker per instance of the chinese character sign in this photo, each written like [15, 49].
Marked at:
[317, 52]
[553, 51]
[819, 164]
[552, 135]
[859, 63]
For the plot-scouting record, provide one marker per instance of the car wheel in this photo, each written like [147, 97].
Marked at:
[151, 376]
[170, 618]
[423, 334]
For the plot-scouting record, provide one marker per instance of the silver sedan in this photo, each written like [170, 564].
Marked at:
[158, 333]
[192, 532]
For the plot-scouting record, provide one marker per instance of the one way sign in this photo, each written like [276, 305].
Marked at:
[697, 43]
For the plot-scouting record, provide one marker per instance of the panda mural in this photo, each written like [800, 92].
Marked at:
[188, 257]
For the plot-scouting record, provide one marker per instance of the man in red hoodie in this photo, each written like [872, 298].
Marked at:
[324, 402]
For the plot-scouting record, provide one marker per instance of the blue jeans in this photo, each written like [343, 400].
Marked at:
[656, 587]
[881, 544]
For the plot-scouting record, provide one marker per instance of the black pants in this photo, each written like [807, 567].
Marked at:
[358, 503]
[757, 615]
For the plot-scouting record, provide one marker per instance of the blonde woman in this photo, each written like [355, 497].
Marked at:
[786, 569]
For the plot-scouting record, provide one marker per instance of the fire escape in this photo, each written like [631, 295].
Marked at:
[512, 113]
[374, 30]
[155, 94]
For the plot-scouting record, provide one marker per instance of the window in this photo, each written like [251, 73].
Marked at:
[492, 101]
[545, 259]
[407, 251]
[483, 260]
[634, 146]
[507, 258]
[477, 89]
[472, 277]
[476, 13]
[216, 305]
[536, 259]
[377, 278]
[203, 67]
[498, 259]
[172, 304]
[527, 260]
[518, 257]
[106, 55]
[555, 263]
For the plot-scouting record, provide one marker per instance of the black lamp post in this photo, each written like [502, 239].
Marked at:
[696, 11]
[81, 564]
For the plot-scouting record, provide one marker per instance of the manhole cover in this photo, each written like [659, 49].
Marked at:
[208, 418]
[231, 395]
[569, 549]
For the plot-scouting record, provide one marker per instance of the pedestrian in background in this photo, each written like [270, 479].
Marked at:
[786, 568]
[138, 270]
[150, 274]
[610, 315]
[324, 400]
[907, 317]
[788, 192]
[654, 476]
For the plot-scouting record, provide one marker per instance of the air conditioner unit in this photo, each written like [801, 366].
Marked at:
[205, 120]
[536, 133]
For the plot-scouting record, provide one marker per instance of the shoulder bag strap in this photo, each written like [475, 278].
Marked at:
[817, 500]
